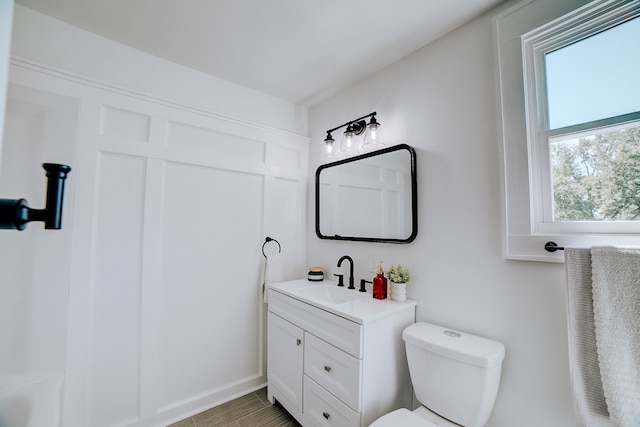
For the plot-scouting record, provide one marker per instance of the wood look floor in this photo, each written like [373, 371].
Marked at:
[251, 410]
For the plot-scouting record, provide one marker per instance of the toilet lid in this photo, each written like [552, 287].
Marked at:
[402, 417]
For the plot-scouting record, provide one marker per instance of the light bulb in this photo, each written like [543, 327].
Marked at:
[349, 137]
[374, 131]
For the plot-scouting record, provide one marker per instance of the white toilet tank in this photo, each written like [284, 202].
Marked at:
[454, 374]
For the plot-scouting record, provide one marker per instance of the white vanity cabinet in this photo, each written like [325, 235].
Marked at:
[285, 355]
[336, 364]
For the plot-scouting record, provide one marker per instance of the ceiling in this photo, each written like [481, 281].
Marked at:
[303, 51]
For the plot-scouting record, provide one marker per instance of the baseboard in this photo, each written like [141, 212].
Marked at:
[188, 408]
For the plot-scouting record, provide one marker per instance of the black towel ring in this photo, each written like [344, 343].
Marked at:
[267, 240]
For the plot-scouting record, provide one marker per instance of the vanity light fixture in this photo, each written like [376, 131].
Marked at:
[372, 138]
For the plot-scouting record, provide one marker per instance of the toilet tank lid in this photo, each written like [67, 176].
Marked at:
[455, 345]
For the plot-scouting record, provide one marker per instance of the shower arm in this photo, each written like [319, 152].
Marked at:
[15, 214]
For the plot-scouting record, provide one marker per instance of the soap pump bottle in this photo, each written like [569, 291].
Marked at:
[380, 284]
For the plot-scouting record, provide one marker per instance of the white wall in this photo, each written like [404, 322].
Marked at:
[156, 310]
[34, 262]
[6, 14]
[77, 52]
[442, 100]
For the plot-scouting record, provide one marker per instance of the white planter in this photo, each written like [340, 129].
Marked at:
[398, 291]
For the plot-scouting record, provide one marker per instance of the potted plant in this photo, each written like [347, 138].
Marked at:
[398, 276]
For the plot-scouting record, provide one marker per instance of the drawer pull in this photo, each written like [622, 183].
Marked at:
[326, 415]
[298, 341]
[327, 368]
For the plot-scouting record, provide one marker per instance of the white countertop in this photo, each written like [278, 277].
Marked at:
[359, 307]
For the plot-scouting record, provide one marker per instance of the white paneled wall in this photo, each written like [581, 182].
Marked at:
[34, 278]
[171, 208]
[205, 247]
[115, 307]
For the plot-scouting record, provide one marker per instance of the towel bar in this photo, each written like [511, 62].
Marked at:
[552, 247]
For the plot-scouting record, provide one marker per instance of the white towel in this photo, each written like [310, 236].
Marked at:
[272, 273]
[588, 397]
[616, 306]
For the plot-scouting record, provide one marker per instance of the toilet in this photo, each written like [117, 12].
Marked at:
[455, 377]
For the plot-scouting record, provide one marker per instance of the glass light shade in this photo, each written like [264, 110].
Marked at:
[372, 138]
[347, 147]
[328, 150]
[329, 146]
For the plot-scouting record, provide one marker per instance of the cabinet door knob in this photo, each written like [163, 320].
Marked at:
[326, 415]
[298, 341]
[327, 368]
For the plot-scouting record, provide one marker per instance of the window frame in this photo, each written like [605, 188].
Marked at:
[523, 34]
[586, 22]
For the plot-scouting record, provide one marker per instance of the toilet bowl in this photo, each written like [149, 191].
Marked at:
[455, 376]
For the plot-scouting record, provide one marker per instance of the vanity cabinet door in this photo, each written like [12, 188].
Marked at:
[285, 356]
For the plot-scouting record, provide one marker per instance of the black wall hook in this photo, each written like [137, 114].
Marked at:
[15, 214]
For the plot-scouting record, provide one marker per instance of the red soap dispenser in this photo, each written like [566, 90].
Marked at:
[380, 285]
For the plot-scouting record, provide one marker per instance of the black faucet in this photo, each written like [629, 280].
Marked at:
[348, 258]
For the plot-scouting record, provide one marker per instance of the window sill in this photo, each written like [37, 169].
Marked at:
[531, 247]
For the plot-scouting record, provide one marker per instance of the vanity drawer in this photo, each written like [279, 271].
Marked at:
[323, 409]
[333, 369]
[336, 330]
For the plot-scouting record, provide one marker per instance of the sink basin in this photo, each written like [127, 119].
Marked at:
[351, 304]
[330, 294]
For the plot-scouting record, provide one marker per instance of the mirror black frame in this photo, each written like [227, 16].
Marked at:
[414, 196]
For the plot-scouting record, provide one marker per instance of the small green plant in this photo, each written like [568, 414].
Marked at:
[398, 274]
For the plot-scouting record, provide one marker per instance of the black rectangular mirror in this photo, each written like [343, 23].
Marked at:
[371, 197]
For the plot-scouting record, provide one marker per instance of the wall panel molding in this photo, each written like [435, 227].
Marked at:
[141, 187]
[33, 65]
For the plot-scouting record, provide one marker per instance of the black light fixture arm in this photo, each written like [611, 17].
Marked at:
[353, 122]
[15, 214]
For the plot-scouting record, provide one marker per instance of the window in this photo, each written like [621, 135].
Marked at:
[578, 126]
[584, 120]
